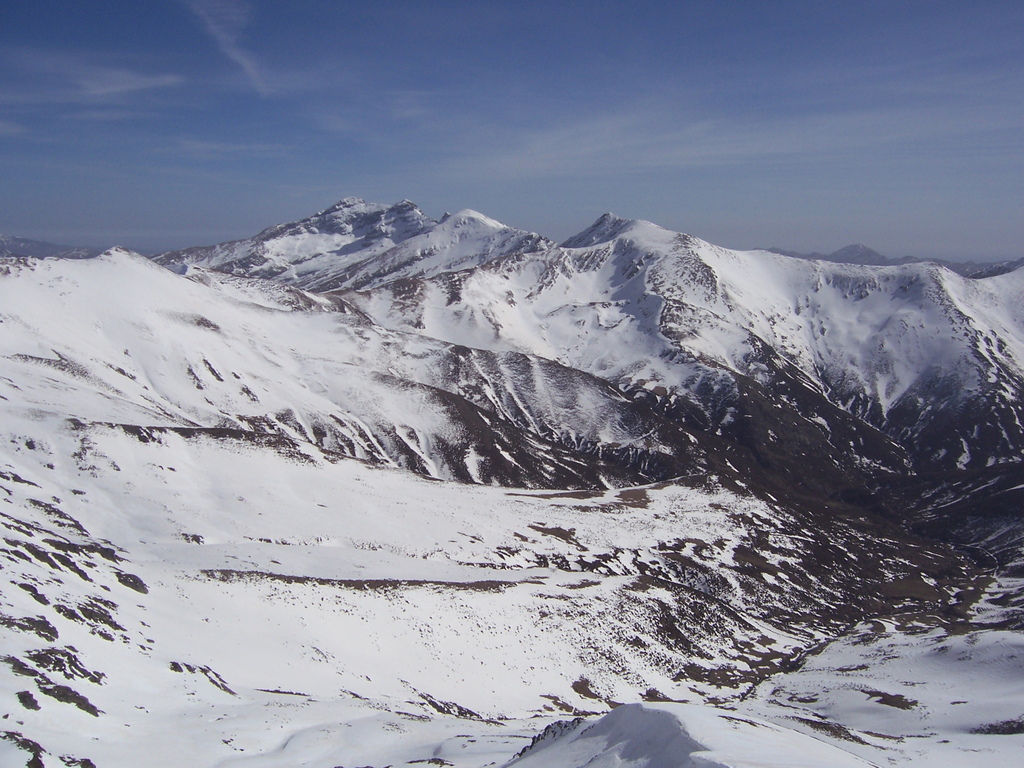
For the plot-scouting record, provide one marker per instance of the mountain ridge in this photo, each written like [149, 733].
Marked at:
[382, 490]
[858, 253]
[20, 247]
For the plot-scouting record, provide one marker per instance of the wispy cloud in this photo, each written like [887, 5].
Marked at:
[381, 117]
[49, 77]
[200, 149]
[898, 118]
[108, 81]
[225, 20]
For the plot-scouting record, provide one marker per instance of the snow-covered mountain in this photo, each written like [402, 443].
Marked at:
[858, 253]
[214, 352]
[375, 490]
[359, 244]
[930, 359]
[855, 253]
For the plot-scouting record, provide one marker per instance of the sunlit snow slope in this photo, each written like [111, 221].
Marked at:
[355, 243]
[376, 490]
[928, 357]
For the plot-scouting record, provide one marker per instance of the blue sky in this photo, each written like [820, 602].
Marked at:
[804, 125]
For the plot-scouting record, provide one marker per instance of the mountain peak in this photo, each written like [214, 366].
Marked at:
[467, 216]
[858, 253]
[357, 217]
[121, 251]
[345, 202]
[349, 207]
[607, 227]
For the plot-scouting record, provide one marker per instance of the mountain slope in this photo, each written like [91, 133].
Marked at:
[284, 607]
[220, 353]
[485, 482]
[929, 358]
[168, 571]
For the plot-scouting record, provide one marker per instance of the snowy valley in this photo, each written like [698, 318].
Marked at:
[371, 489]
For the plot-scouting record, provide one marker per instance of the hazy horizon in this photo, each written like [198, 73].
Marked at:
[795, 125]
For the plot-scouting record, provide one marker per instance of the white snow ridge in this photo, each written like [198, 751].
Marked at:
[370, 489]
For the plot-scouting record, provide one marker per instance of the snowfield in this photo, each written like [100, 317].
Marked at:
[683, 736]
[389, 492]
[340, 613]
[654, 310]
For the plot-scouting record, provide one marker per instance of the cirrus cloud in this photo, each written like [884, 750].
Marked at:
[225, 21]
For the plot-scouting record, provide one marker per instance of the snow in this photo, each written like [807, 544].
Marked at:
[684, 736]
[644, 307]
[346, 658]
[497, 645]
[932, 696]
[204, 350]
[361, 609]
[292, 597]
[855, 331]
[360, 244]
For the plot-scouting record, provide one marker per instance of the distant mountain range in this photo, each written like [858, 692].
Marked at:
[318, 229]
[375, 489]
[861, 254]
[20, 247]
